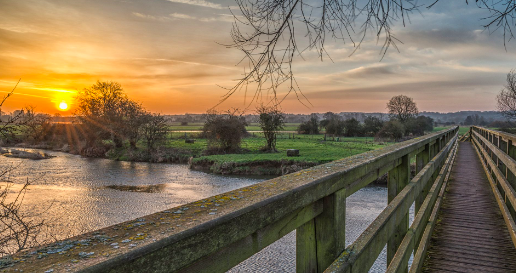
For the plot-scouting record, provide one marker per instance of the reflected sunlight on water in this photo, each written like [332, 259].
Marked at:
[79, 194]
[84, 194]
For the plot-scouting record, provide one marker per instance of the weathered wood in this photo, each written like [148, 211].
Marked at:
[400, 260]
[421, 160]
[226, 258]
[511, 177]
[424, 241]
[306, 251]
[469, 228]
[360, 256]
[398, 179]
[330, 228]
[510, 193]
[251, 217]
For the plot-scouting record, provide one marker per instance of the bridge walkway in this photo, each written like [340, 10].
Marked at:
[470, 235]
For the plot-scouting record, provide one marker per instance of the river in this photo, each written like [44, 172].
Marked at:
[77, 195]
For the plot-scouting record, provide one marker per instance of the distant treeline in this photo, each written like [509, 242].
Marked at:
[455, 118]
[395, 128]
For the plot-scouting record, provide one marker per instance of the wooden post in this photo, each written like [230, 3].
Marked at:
[320, 241]
[398, 178]
[422, 159]
[511, 177]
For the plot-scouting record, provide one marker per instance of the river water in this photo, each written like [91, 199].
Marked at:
[79, 194]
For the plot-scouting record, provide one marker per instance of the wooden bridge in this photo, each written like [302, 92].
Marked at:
[462, 193]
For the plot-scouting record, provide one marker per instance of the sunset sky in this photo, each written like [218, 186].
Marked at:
[167, 54]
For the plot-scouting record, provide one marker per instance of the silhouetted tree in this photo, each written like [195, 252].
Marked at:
[153, 130]
[419, 125]
[107, 112]
[310, 126]
[392, 129]
[271, 121]
[333, 124]
[18, 230]
[468, 121]
[402, 108]
[507, 96]
[353, 127]
[372, 125]
[24, 121]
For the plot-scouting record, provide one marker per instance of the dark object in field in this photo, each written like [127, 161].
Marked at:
[292, 152]
[189, 140]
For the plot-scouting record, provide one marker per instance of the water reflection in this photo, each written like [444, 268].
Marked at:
[83, 194]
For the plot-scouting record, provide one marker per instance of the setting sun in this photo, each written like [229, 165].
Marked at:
[63, 106]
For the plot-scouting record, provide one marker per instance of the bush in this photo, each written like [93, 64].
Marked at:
[353, 127]
[372, 126]
[392, 129]
[418, 126]
[224, 131]
[310, 126]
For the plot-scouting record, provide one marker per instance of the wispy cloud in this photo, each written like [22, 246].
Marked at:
[200, 3]
[182, 16]
[152, 17]
[220, 18]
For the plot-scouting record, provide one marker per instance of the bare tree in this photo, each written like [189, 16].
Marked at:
[154, 130]
[267, 32]
[17, 230]
[12, 125]
[402, 108]
[107, 112]
[271, 121]
[507, 97]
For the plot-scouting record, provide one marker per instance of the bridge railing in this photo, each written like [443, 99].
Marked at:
[219, 232]
[498, 156]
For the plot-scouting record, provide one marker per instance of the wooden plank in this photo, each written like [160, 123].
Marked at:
[468, 222]
[400, 260]
[424, 240]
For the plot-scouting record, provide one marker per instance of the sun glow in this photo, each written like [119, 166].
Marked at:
[63, 106]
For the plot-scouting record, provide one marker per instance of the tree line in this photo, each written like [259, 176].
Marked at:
[404, 122]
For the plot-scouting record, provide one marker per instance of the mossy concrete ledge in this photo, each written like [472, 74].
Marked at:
[217, 233]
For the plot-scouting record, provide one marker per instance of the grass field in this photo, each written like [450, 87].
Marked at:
[312, 148]
[252, 127]
[462, 129]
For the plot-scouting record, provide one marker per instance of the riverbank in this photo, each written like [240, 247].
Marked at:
[313, 150]
[251, 160]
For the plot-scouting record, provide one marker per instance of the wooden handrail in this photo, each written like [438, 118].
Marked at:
[217, 233]
[500, 172]
[361, 255]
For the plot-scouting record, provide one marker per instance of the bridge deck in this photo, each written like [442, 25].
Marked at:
[471, 235]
